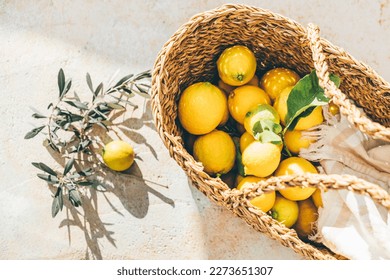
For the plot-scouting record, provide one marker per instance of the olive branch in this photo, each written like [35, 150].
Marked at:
[69, 130]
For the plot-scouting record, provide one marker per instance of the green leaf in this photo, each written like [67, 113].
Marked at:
[240, 166]
[265, 125]
[61, 81]
[86, 172]
[49, 178]
[74, 197]
[269, 137]
[123, 80]
[115, 106]
[306, 94]
[58, 202]
[34, 132]
[38, 116]
[89, 82]
[67, 86]
[77, 104]
[85, 183]
[98, 89]
[44, 167]
[68, 166]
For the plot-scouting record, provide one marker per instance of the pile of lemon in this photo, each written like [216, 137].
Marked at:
[238, 102]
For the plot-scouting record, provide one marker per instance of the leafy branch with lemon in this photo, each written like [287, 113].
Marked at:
[250, 126]
[69, 131]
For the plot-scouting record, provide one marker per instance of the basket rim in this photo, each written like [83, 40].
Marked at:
[175, 145]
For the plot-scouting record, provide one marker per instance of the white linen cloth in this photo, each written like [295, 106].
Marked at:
[351, 224]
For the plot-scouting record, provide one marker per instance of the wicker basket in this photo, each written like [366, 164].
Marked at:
[190, 56]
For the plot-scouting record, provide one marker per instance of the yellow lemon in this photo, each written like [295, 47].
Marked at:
[201, 108]
[239, 178]
[308, 215]
[285, 211]
[260, 159]
[295, 142]
[260, 112]
[317, 199]
[118, 155]
[263, 202]
[228, 88]
[243, 99]
[236, 65]
[296, 165]
[333, 109]
[275, 80]
[313, 119]
[216, 151]
[245, 139]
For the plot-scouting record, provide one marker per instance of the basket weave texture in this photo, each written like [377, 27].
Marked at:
[190, 56]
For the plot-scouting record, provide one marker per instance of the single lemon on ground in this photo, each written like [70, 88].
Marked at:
[275, 80]
[118, 155]
[296, 165]
[285, 211]
[245, 139]
[243, 99]
[216, 151]
[308, 215]
[317, 198]
[201, 108]
[261, 159]
[294, 141]
[313, 119]
[260, 112]
[263, 202]
[236, 65]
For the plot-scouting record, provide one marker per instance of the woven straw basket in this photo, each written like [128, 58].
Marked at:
[190, 55]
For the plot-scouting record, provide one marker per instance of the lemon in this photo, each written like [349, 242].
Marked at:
[201, 108]
[313, 119]
[245, 139]
[296, 165]
[308, 215]
[118, 155]
[333, 109]
[275, 80]
[263, 202]
[317, 199]
[228, 88]
[260, 159]
[285, 211]
[295, 142]
[225, 87]
[260, 112]
[239, 178]
[236, 65]
[216, 151]
[243, 99]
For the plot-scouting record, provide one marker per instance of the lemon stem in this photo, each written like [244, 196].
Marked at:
[240, 77]
[274, 215]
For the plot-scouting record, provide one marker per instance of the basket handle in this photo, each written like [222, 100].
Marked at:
[320, 181]
[347, 108]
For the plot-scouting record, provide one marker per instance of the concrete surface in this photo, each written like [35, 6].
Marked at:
[162, 216]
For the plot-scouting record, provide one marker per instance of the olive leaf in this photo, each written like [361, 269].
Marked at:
[70, 125]
[34, 132]
[57, 203]
[68, 166]
[74, 197]
[44, 167]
